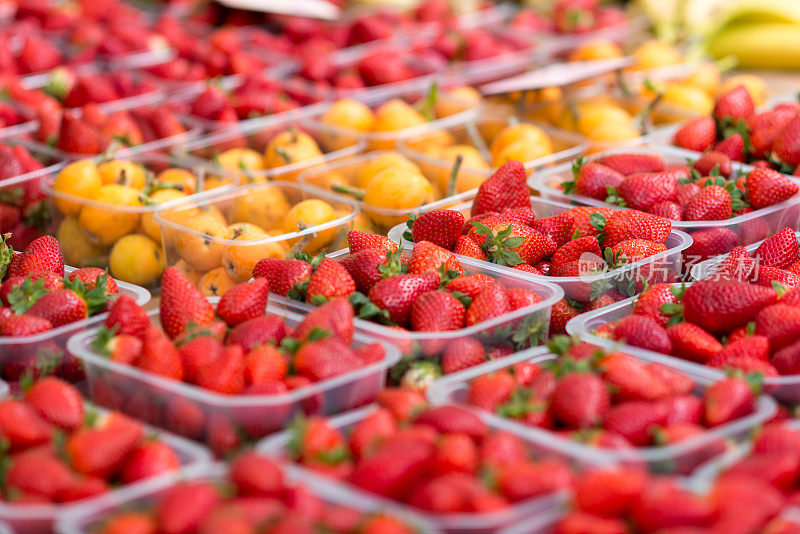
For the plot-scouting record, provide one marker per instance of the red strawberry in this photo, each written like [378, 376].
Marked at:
[735, 104]
[737, 266]
[403, 403]
[630, 224]
[780, 250]
[396, 294]
[575, 250]
[635, 420]
[320, 360]
[448, 419]
[667, 210]
[21, 424]
[756, 347]
[368, 434]
[644, 332]
[560, 315]
[100, 451]
[334, 317]
[664, 504]
[528, 479]
[642, 190]
[38, 472]
[90, 276]
[766, 187]
[787, 360]
[244, 302]
[225, 373]
[786, 147]
[77, 137]
[128, 317]
[512, 243]
[506, 189]
[780, 323]
[368, 267]
[329, 280]
[181, 303]
[490, 303]
[709, 161]
[767, 276]
[556, 227]
[462, 353]
[183, 507]
[470, 285]
[197, 353]
[24, 325]
[580, 400]
[632, 379]
[651, 300]
[394, 468]
[733, 147]
[437, 311]
[282, 275]
[521, 298]
[263, 330]
[711, 242]
[359, 241]
[682, 410]
[583, 224]
[592, 180]
[467, 247]
[712, 203]
[429, 257]
[575, 522]
[149, 460]
[455, 453]
[610, 492]
[64, 306]
[491, 390]
[691, 342]
[720, 306]
[42, 255]
[632, 163]
[696, 134]
[727, 400]
[57, 402]
[440, 227]
[159, 355]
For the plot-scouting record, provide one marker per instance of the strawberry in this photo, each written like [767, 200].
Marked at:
[734, 105]
[745, 504]
[21, 424]
[447, 419]
[57, 402]
[733, 147]
[556, 227]
[243, 302]
[255, 474]
[335, 318]
[368, 267]
[437, 311]
[225, 373]
[663, 504]
[720, 306]
[768, 276]
[580, 400]
[786, 148]
[727, 400]
[592, 180]
[455, 453]
[582, 222]
[490, 390]
[642, 190]
[90, 276]
[159, 355]
[77, 137]
[462, 353]
[512, 243]
[282, 275]
[197, 353]
[358, 241]
[787, 360]
[765, 187]
[711, 242]
[328, 281]
[738, 265]
[691, 342]
[429, 257]
[644, 332]
[560, 315]
[100, 451]
[467, 247]
[181, 303]
[367, 435]
[582, 248]
[712, 160]
[396, 294]
[262, 330]
[264, 365]
[403, 403]
[610, 492]
[686, 192]
[69, 304]
[183, 507]
[779, 323]
[780, 250]
[667, 210]
[696, 134]
[506, 189]
[149, 460]
[490, 303]
[650, 302]
[632, 379]
[327, 358]
[42, 255]
[470, 285]
[632, 163]
[440, 227]
[24, 325]
[520, 298]
[127, 316]
[630, 224]
[394, 468]
[575, 522]
[712, 203]
[528, 479]
[38, 472]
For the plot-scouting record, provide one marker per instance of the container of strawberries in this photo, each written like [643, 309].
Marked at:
[210, 498]
[430, 460]
[771, 260]
[707, 328]
[66, 455]
[180, 368]
[47, 302]
[719, 202]
[657, 417]
[595, 254]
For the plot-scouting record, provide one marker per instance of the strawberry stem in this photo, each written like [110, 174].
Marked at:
[451, 183]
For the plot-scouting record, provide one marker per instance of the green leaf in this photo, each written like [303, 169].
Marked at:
[317, 333]
[100, 344]
[290, 344]
[559, 344]
[25, 295]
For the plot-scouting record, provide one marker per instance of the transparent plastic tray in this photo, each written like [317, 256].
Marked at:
[707, 268]
[20, 353]
[531, 323]
[662, 267]
[257, 135]
[681, 458]
[223, 182]
[88, 518]
[198, 413]
[480, 132]
[749, 228]
[41, 518]
[264, 204]
[527, 510]
[785, 388]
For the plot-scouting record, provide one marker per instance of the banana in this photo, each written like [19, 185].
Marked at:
[774, 45]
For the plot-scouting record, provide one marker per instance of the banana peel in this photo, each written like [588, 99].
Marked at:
[767, 45]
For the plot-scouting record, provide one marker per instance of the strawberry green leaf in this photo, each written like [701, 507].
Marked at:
[100, 343]
[465, 299]
[318, 333]
[290, 344]
[559, 344]
[298, 291]
[25, 295]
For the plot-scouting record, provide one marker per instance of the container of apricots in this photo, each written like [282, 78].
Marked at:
[423, 115]
[495, 138]
[217, 241]
[268, 150]
[104, 208]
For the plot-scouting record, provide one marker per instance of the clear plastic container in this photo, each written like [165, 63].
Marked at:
[258, 135]
[378, 219]
[118, 215]
[749, 228]
[707, 268]
[207, 416]
[681, 458]
[527, 510]
[41, 518]
[89, 518]
[481, 132]
[785, 388]
[268, 206]
[662, 267]
[523, 328]
[18, 354]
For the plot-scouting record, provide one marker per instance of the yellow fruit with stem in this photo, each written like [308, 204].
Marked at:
[289, 148]
[79, 179]
[347, 114]
[395, 189]
[370, 168]
[245, 163]
[242, 228]
[265, 206]
[523, 132]
[308, 213]
[136, 259]
[177, 178]
[199, 245]
[597, 116]
[688, 97]
[655, 53]
[471, 158]
[123, 172]
[215, 283]
[393, 116]
[148, 224]
[78, 250]
[239, 259]
[104, 225]
[456, 100]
